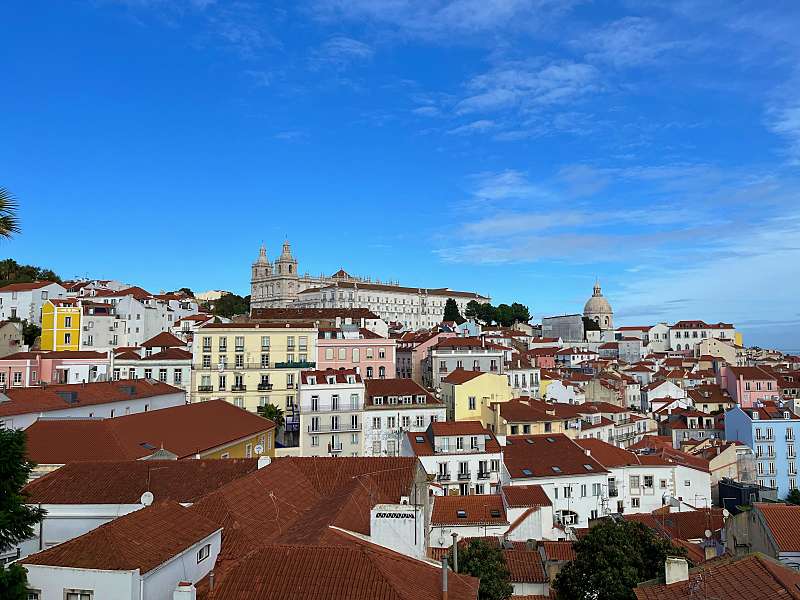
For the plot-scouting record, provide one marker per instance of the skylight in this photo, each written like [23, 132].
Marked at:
[461, 514]
[551, 440]
[588, 467]
[419, 439]
[495, 513]
[529, 440]
[527, 472]
[556, 469]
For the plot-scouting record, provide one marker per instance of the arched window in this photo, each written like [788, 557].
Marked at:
[679, 346]
[606, 320]
[290, 268]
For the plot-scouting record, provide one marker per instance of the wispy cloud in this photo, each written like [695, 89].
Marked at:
[628, 42]
[291, 135]
[340, 52]
[480, 126]
[784, 120]
[504, 185]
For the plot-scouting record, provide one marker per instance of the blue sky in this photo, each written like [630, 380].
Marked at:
[517, 148]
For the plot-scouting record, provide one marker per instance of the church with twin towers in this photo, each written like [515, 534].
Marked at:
[279, 284]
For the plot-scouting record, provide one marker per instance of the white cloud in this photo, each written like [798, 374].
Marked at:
[427, 111]
[504, 185]
[340, 52]
[528, 85]
[480, 126]
[630, 41]
[785, 121]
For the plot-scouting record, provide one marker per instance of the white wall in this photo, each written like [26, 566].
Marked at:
[161, 581]
[400, 527]
[104, 411]
[384, 434]
[106, 585]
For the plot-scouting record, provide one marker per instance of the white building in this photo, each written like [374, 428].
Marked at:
[21, 407]
[470, 354]
[566, 392]
[463, 456]
[331, 413]
[523, 376]
[393, 407]
[24, 300]
[685, 335]
[660, 391]
[280, 285]
[163, 357]
[102, 565]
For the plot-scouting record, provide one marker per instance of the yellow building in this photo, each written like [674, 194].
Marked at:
[535, 417]
[61, 324]
[545, 379]
[245, 447]
[252, 364]
[469, 394]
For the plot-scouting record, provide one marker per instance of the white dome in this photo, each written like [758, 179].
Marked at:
[597, 304]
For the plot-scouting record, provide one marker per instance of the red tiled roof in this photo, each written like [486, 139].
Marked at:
[518, 496]
[525, 566]
[700, 325]
[685, 525]
[124, 482]
[25, 287]
[466, 342]
[345, 568]
[183, 430]
[783, 521]
[547, 456]
[445, 428]
[164, 340]
[396, 387]
[294, 500]
[753, 577]
[421, 443]
[479, 509]
[168, 354]
[558, 551]
[58, 397]
[142, 540]
[460, 376]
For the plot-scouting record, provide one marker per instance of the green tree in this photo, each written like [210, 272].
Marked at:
[486, 313]
[520, 313]
[9, 223]
[479, 559]
[451, 312]
[612, 559]
[17, 520]
[273, 413]
[793, 497]
[503, 315]
[472, 309]
[231, 304]
[13, 272]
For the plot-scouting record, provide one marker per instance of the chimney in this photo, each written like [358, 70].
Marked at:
[588, 452]
[455, 551]
[211, 581]
[710, 551]
[675, 570]
[184, 591]
[444, 577]
[264, 461]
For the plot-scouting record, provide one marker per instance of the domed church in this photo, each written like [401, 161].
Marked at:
[599, 310]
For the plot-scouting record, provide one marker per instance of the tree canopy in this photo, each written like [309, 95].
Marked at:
[793, 497]
[479, 559]
[502, 314]
[17, 520]
[231, 304]
[611, 560]
[13, 272]
[273, 413]
[451, 312]
[9, 223]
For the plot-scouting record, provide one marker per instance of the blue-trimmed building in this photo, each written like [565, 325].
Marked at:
[771, 429]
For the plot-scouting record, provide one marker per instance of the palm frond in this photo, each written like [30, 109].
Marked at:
[9, 223]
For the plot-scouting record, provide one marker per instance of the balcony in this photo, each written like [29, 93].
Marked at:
[239, 349]
[443, 477]
[222, 350]
[239, 388]
[483, 474]
[264, 387]
[333, 448]
[305, 364]
[343, 428]
[206, 348]
[464, 476]
[205, 388]
[613, 492]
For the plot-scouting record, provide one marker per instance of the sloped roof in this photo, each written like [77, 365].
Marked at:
[460, 376]
[183, 430]
[26, 286]
[558, 551]
[55, 397]
[519, 496]
[753, 577]
[345, 568]
[478, 509]
[164, 340]
[547, 456]
[124, 482]
[143, 539]
[783, 521]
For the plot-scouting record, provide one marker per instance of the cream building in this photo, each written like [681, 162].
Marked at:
[253, 364]
[279, 285]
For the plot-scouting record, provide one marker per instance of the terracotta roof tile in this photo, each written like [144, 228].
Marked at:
[518, 496]
[783, 521]
[479, 509]
[124, 482]
[460, 376]
[164, 340]
[25, 287]
[558, 551]
[142, 540]
[183, 430]
[547, 456]
[396, 387]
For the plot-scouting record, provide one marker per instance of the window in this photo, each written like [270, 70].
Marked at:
[376, 422]
[67, 338]
[315, 440]
[148, 373]
[67, 322]
[162, 375]
[648, 481]
[78, 594]
[248, 451]
[419, 421]
[634, 481]
[203, 553]
[459, 443]
[595, 489]
[177, 377]
[472, 403]
[583, 490]
[635, 502]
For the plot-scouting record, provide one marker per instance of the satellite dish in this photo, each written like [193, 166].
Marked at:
[726, 513]
[708, 533]
[146, 499]
[259, 449]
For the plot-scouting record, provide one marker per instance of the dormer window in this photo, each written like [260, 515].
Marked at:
[392, 399]
[331, 380]
[420, 399]
[312, 381]
[377, 400]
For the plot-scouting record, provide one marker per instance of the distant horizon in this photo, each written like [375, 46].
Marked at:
[520, 150]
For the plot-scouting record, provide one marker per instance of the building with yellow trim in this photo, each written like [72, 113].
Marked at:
[525, 416]
[470, 394]
[251, 364]
[61, 324]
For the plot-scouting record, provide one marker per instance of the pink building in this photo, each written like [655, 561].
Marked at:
[748, 385]
[27, 369]
[412, 350]
[544, 358]
[351, 347]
